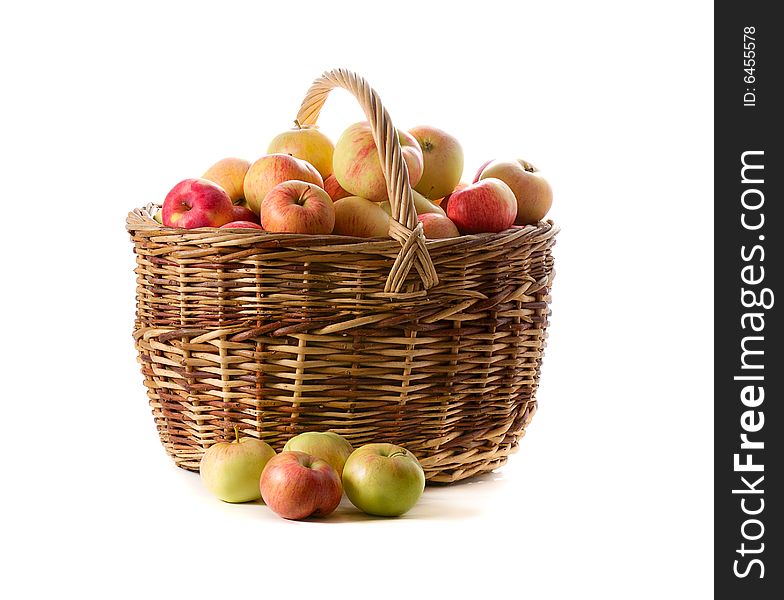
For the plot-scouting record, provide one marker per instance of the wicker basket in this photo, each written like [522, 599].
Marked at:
[432, 344]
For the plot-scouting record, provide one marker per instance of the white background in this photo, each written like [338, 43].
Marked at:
[105, 109]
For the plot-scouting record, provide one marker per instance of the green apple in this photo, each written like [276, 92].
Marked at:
[232, 470]
[443, 161]
[383, 479]
[328, 446]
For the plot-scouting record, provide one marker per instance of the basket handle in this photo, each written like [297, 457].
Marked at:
[403, 226]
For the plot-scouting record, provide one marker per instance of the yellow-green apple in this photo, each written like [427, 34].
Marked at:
[158, 216]
[328, 446]
[357, 167]
[297, 207]
[437, 226]
[383, 479]
[296, 485]
[229, 173]
[242, 225]
[421, 204]
[444, 202]
[307, 143]
[272, 169]
[359, 217]
[333, 188]
[443, 161]
[533, 192]
[487, 206]
[231, 470]
[196, 203]
[240, 212]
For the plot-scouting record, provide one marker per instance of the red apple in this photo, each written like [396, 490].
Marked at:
[296, 485]
[297, 207]
[272, 169]
[196, 203]
[240, 212]
[437, 226]
[533, 192]
[334, 190]
[357, 166]
[444, 202]
[488, 206]
[242, 225]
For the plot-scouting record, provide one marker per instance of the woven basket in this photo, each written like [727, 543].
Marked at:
[435, 345]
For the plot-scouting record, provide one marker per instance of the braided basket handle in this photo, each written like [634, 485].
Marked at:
[404, 226]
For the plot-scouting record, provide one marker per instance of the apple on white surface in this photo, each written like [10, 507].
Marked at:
[307, 143]
[357, 167]
[383, 479]
[358, 217]
[273, 169]
[229, 173]
[442, 161]
[297, 207]
[532, 191]
[437, 226]
[231, 470]
[296, 486]
[196, 203]
[327, 445]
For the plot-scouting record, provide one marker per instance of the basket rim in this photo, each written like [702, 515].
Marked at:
[140, 220]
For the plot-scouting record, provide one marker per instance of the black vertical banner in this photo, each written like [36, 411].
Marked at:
[749, 260]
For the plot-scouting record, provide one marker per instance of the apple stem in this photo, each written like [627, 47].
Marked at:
[237, 433]
[297, 124]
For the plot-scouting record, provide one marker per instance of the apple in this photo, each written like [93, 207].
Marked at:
[383, 479]
[196, 203]
[359, 217]
[333, 188]
[307, 143]
[437, 226]
[231, 470]
[229, 173]
[242, 225]
[158, 216]
[297, 485]
[297, 207]
[357, 167]
[533, 192]
[488, 206]
[442, 161]
[444, 202]
[272, 169]
[240, 212]
[421, 204]
[328, 446]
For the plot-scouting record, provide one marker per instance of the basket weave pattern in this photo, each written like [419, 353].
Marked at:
[432, 344]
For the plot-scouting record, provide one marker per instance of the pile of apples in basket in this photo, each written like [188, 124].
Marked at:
[307, 185]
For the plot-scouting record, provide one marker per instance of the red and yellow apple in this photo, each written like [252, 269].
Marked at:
[296, 485]
[272, 169]
[196, 203]
[444, 202]
[231, 470]
[358, 217]
[297, 207]
[532, 191]
[482, 168]
[421, 204]
[333, 189]
[328, 446]
[229, 173]
[307, 143]
[240, 212]
[488, 206]
[357, 167]
[437, 226]
[383, 479]
[242, 225]
[442, 161]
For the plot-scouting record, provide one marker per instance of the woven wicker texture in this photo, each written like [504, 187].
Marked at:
[285, 333]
